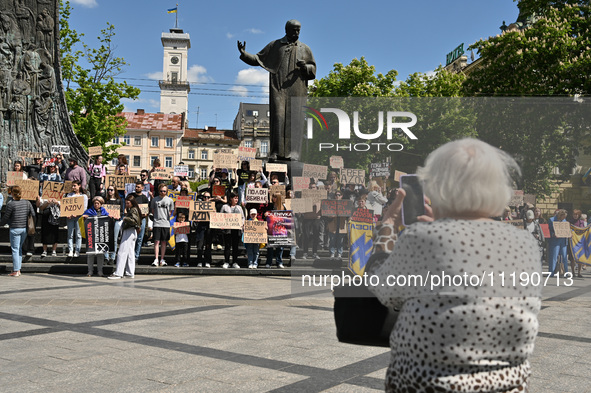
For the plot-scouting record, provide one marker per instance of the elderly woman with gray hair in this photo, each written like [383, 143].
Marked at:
[462, 330]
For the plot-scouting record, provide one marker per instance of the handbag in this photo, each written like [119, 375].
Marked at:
[31, 225]
[359, 316]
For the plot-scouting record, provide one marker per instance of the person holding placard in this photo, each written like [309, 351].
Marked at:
[141, 199]
[252, 249]
[130, 227]
[337, 232]
[97, 210]
[232, 236]
[51, 173]
[16, 216]
[72, 221]
[274, 252]
[75, 172]
[33, 170]
[114, 200]
[182, 244]
[203, 238]
[557, 246]
[220, 201]
[161, 207]
[50, 216]
[17, 166]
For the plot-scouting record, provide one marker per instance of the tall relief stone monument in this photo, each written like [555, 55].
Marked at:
[33, 112]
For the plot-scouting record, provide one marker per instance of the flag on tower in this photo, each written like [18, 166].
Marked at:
[173, 10]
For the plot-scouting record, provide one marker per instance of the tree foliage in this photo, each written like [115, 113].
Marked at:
[92, 95]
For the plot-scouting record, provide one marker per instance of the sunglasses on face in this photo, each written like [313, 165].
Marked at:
[110, 189]
[162, 190]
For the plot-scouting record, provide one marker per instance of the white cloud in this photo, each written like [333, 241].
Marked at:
[229, 35]
[149, 104]
[154, 75]
[196, 73]
[240, 90]
[253, 76]
[254, 31]
[86, 3]
[430, 74]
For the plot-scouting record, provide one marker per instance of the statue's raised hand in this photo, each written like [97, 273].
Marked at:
[242, 47]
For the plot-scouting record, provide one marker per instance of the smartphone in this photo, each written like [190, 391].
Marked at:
[414, 202]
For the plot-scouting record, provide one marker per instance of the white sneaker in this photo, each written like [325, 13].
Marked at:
[213, 246]
[220, 247]
[340, 256]
[29, 254]
[226, 265]
[305, 256]
[70, 254]
[43, 254]
[163, 263]
[76, 254]
[235, 265]
[250, 265]
[315, 256]
[254, 266]
[155, 263]
[54, 254]
[332, 255]
[280, 266]
[199, 265]
[268, 266]
[207, 265]
[114, 277]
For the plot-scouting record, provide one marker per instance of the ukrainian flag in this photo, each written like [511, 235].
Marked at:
[586, 177]
[173, 10]
[581, 244]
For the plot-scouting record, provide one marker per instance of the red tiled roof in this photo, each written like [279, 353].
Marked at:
[153, 121]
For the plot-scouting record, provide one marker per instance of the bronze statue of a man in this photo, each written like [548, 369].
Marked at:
[291, 65]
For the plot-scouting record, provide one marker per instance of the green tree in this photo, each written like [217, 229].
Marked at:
[92, 95]
[547, 55]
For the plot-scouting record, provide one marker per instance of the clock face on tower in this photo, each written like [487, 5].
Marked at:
[174, 60]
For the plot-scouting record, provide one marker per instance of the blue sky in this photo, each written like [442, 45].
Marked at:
[408, 36]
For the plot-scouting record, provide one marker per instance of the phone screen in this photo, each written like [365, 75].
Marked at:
[414, 202]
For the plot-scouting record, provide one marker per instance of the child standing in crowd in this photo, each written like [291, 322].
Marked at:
[252, 249]
[182, 244]
[97, 210]
[72, 221]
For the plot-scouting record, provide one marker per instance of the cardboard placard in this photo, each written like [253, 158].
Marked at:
[337, 207]
[144, 208]
[119, 181]
[183, 202]
[276, 168]
[181, 170]
[277, 188]
[113, 210]
[95, 150]
[300, 205]
[60, 149]
[379, 169]
[515, 223]
[160, 173]
[255, 231]
[314, 195]
[336, 162]
[72, 206]
[517, 198]
[362, 215]
[67, 186]
[224, 160]
[99, 235]
[30, 154]
[182, 228]
[256, 165]
[562, 230]
[300, 183]
[12, 177]
[353, 176]
[529, 198]
[256, 195]
[218, 190]
[397, 175]
[53, 190]
[29, 189]
[200, 210]
[225, 220]
[246, 153]
[317, 172]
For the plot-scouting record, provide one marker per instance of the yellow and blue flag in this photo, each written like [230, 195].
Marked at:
[580, 244]
[360, 234]
[586, 177]
[173, 10]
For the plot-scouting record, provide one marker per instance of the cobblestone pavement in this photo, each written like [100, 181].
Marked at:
[224, 334]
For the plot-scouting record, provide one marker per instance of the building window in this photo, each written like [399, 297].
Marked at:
[168, 162]
[264, 148]
[137, 140]
[204, 154]
[114, 162]
[175, 77]
[155, 141]
[168, 142]
[116, 140]
[152, 159]
[268, 114]
[137, 161]
[203, 173]
[191, 171]
[191, 154]
[247, 143]
[126, 140]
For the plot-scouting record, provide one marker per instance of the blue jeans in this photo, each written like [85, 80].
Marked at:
[252, 252]
[74, 230]
[118, 224]
[336, 243]
[140, 239]
[276, 252]
[17, 239]
[557, 247]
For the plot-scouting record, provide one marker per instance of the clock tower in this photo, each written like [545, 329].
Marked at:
[174, 88]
